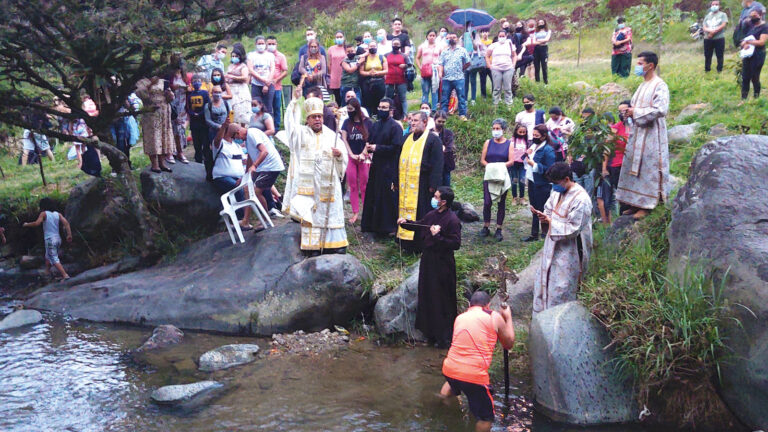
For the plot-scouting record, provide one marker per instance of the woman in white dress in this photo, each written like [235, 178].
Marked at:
[237, 79]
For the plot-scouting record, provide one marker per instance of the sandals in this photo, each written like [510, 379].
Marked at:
[181, 158]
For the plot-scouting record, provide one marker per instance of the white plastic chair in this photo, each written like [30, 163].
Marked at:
[231, 205]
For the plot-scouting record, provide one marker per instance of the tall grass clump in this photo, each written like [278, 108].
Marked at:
[666, 330]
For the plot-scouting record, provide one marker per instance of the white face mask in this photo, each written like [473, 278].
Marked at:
[272, 48]
[497, 133]
[426, 111]
[310, 38]
[261, 47]
[502, 39]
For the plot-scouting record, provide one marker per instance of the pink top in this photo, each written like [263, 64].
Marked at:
[281, 65]
[336, 55]
[520, 145]
[429, 54]
[501, 56]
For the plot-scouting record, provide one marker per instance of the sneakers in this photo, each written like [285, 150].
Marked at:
[530, 239]
[276, 213]
[464, 118]
[497, 235]
[485, 232]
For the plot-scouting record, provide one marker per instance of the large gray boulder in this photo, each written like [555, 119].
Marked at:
[682, 134]
[691, 110]
[183, 195]
[261, 287]
[395, 312]
[98, 213]
[20, 318]
[720, 220]
[227, 356]
[184, 393]
[574, 380]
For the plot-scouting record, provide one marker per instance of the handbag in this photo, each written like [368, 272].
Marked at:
[476, 62]
[426, 71]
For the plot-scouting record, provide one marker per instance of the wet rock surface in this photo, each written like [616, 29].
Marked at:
[20, 318]
[395, 312]
[227, 356]
[162, 337]
[182, 394]
[574, 380]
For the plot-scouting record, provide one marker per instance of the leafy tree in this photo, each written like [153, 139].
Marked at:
[594, 139]
[66, 48]
[648, 20]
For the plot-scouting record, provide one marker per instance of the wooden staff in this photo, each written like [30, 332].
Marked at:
[330, 182]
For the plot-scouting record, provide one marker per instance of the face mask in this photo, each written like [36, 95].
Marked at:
[395, 49]
[621, 26]
[452, 42]
[379, 39]
[714, 8]
[261, 47]
[238, 141]
[216, 96]
[372, 50]
[755, 20]
[220, 56]
[351, 56]
[272, 48]
[426, 111]
[528, 106]
[497, 133]
[255, 109]
[235, 60]
[443, 34]
[639, 71]
[383, 115]
[366, 40]
[540, 26]
[435, 203]
[339, 41]
[314, 50]
[216, 79]
[559, 189]
[502, 39]
[522, 135]
[196, 85]
[537, 140]
[310, 38]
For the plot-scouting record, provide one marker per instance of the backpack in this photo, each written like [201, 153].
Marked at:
[91, 162]
[295, 74]
[557, 141]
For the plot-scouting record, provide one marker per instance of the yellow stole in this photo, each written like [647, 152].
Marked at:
[410, 169]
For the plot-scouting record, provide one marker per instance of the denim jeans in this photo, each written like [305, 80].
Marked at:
[358, 94]
[426, 91]
[517, 175]
[266, 98]
[470, 81]
[446, 178]
[458, 85]
[401, 90]
[226, 184]
[277, 107]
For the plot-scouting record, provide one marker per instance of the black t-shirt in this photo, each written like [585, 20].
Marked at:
[355, 134]
[756, 31]
[404, 39]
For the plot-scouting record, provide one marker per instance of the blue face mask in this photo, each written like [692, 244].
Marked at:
[366, 40]
[339, 41]
[435, 203]
[197, 85]
[255, 109]
[238, 141]
[621, 26]
[639, 71]
[379, 39]
[235, 60]
[559, 189]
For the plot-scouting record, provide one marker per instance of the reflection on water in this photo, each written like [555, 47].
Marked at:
[62, 375]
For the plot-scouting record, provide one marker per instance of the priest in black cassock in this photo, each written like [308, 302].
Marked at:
[384, 142]
[420, 173]
[440, 234]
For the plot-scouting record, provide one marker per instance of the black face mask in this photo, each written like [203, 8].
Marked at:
[537, 140]
[351, 56]
[395, 49]
[528, 106]
[518, 30]
[372, 50]
[755, 20]
[452, 42]
[383, 115]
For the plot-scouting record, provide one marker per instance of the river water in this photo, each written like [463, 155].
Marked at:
[62, 375]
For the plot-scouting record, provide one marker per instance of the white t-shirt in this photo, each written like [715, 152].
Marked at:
[263, 64]
[527, 119]
[273, 161]
[229, 162]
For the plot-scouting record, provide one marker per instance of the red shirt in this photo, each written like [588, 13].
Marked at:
[395, 74]
[618, 158]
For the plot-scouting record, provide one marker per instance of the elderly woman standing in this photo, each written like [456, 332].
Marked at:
[156, 125]
[497, 158]
[238, 77]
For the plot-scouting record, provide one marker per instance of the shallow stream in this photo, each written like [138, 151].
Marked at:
[63, 375]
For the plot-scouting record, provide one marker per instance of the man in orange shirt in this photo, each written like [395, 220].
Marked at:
[465, 368]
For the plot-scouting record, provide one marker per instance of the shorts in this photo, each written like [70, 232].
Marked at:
[52, 246]
[264, 180]
[478, 395]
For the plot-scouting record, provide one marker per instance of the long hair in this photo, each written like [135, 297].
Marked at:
[357, 115]
[543, 131]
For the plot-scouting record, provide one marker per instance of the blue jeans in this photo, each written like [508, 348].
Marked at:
[401, 90]
[277, 107]
[458, 85]
[358, 95]
[226, 184]
[517, 175]
[426, 91]
[267, 98]
[470, 81]
[446, 178]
